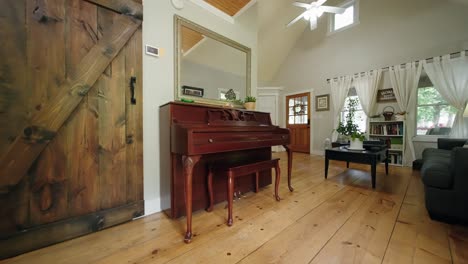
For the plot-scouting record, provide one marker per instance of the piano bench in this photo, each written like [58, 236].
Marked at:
[238, 171]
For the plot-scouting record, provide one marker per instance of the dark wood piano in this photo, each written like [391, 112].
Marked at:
[193, 136]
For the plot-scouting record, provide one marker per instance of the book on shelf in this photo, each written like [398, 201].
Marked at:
[386, 129]
[395, 158]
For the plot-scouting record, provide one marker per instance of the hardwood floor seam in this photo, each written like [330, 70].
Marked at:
[337, 230]
[398, 216]
[312, 209]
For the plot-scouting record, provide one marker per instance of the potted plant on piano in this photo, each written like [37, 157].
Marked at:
[349, 129]
[249, 102]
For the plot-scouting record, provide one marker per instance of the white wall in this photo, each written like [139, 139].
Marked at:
[389, 33]
[158, 73]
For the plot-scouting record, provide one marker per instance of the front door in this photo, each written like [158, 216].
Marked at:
[298, 121]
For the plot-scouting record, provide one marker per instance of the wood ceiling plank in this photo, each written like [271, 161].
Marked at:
[229, 7]
[190, 38]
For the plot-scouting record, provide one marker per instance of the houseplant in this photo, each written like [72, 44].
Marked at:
[249, 102]
[350, 129]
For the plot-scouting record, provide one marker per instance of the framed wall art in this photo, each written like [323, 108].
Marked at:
[192, 91]
[386, 95]
[322, 102]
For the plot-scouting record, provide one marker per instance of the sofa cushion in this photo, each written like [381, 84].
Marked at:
[436, 154]
[436, 173]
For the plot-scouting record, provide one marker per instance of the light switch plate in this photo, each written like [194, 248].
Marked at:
[153, 51]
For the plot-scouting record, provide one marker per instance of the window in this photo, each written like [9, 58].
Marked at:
[434, 116]
[360, 117]
[347, 19]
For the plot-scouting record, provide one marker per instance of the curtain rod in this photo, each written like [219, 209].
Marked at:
[388, 67]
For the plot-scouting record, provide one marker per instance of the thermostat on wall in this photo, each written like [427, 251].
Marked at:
[153, 51]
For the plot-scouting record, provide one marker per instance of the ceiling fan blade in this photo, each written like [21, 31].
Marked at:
[304, 5]
[332, 9]
[296, 19]
[320, 2]
[313, 22]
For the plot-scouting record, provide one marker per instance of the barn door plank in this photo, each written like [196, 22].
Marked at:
[46, 69]
[126, 7]
[13, 87]
[82, 126]
[134, 128]
[112, 146]
[47, 122]
[14, 93]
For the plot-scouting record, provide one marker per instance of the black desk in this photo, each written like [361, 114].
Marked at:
[371, 157]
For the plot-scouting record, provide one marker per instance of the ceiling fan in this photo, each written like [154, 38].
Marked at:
[313, 11]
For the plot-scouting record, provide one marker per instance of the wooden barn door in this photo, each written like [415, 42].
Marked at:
[70, 119]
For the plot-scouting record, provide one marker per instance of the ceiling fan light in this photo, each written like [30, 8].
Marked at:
[310, 13]
[307, 16]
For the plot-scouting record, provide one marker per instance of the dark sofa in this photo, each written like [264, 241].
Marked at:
[445, 176]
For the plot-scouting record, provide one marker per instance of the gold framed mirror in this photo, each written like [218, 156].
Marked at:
[209, 66]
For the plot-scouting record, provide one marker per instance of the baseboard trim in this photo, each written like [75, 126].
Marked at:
[152, 206]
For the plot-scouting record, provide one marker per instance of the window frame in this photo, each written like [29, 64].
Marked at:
[426, 138]
[331, 17]
[357, 110]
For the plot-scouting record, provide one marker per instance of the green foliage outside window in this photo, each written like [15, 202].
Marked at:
[433, 110]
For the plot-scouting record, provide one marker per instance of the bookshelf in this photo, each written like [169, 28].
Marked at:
[392, 132]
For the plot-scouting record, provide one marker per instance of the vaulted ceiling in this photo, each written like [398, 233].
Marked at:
[275, 41]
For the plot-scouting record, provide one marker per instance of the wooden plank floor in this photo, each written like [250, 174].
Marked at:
[339, 220]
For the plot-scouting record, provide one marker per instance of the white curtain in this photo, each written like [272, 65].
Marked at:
[450, 78]
[405, 86]
[339, 91]
[366, 86]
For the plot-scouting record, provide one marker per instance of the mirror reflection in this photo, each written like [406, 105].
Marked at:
[210, 67]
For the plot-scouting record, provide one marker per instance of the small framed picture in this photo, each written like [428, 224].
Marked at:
[322, 102]
[386, 95]
[192, 91]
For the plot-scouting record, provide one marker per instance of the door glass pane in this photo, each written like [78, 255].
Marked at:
[297, 120]
[298, 110]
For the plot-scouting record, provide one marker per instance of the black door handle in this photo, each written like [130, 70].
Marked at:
[132, 89]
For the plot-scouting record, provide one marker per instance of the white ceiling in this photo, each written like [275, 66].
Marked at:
[274, 39]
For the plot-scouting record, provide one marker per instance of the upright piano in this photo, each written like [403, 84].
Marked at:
[193, 136]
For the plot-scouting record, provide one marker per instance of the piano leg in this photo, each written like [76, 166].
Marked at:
[289, 151]
[277, 180]
[189, 163]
